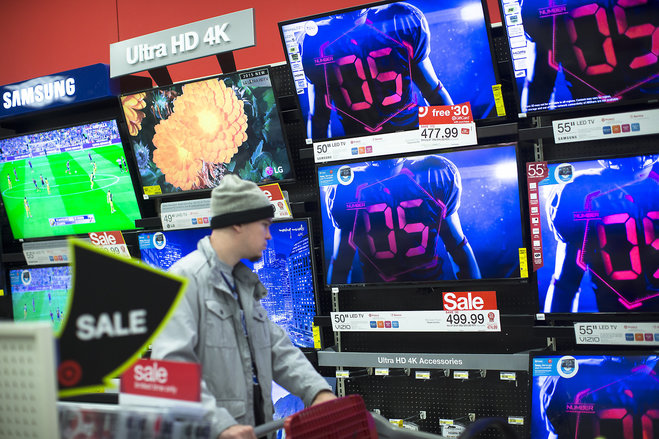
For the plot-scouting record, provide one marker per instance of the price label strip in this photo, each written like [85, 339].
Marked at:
[46, 252]
[187, 214]
[277, 199]
[417, 321]
[634, 123]
[616, 333]
[446, 126]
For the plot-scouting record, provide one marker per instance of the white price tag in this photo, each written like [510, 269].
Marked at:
[185, 214]
[46, 253]
[480, 321]
[381, 371]
[461, 374]
[422, 375]
[507, 376]
[607, 126]
[617, 333]
[342, 374]
[516, 420]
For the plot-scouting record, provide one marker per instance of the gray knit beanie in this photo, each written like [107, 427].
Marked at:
[237, 201]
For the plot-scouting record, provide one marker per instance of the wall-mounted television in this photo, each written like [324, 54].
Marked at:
[568, 55]
[40, 294]
[67, 181]
[444, 216]
[366, 69]
[594, 395]
[599, 228]
[286, 270]
[187, 136]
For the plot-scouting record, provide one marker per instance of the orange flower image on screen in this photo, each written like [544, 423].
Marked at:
[132, 105]
[207, 124]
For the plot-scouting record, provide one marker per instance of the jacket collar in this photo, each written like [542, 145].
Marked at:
[241, 273]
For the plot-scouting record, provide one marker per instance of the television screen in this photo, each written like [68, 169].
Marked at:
[587, 396]
[67, 181]
[437, 217]
[365, 70]
[568, 54]
[187, 136]
[599, 236]
[286, 270]
[40, 293]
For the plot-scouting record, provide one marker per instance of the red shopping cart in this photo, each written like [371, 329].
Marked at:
[348, 418]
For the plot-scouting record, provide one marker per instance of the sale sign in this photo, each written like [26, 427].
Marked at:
[276, 196]
[110, 241]
[163, 379]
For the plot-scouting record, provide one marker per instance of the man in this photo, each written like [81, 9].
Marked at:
[110, 202]
[221, 324]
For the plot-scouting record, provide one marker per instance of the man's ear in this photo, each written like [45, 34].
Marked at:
[238, 228]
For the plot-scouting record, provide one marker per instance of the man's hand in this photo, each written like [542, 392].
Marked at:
[323, 396]
[238, 432]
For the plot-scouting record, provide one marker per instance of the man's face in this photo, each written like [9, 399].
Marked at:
[255, 239]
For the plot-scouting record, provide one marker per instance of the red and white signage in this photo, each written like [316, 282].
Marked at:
[469, 300]
[162, 379]
[277, 199]
[113, 242]
[535, 173]
[446, 126]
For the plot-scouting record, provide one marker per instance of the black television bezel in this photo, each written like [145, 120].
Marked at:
[592, 316]
[314, 271]
[571, 111]
[184, 194]
[119, 121]
[488, 29]
[582, 350]
[460, 284]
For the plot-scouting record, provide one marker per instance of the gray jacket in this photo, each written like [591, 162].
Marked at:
[206, 328]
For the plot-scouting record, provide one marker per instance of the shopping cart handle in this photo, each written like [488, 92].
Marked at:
[267, 428]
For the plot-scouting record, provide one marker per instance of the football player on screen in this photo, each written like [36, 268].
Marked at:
[605, 223]
[402, 221]
[370, 75]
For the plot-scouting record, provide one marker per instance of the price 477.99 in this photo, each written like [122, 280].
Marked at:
[440, 133]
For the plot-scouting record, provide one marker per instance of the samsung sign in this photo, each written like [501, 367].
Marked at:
[183, 43]
[64, 88]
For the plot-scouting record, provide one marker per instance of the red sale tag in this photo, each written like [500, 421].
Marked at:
[470, 300]
[276, 196]
[445, 114]
[163, 379]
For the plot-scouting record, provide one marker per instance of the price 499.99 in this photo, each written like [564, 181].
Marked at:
[463, 318]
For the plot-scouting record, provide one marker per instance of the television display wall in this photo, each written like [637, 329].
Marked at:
[428, 218]
[571, 54]
[67, 181]
[599, 224]
[187, 136]
[365, 70]
[40, 294]
[585, 396]
[286, 270]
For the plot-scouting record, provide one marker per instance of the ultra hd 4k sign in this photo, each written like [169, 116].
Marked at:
[183, 43]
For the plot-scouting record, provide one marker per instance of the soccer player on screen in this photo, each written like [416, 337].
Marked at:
[370, 74]
[26, 204]
[47, 186]
[68, 167]
[91, 181]
[9, 181]
[404, 224]
[110, 202]
[617, 244]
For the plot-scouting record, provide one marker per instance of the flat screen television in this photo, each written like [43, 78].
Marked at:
[599, 225]
[366, 69]
[67, 181]
[40, 294]
[427, 218]
[286, 270]
[187, 136]
[591, 395]
[569, 55]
